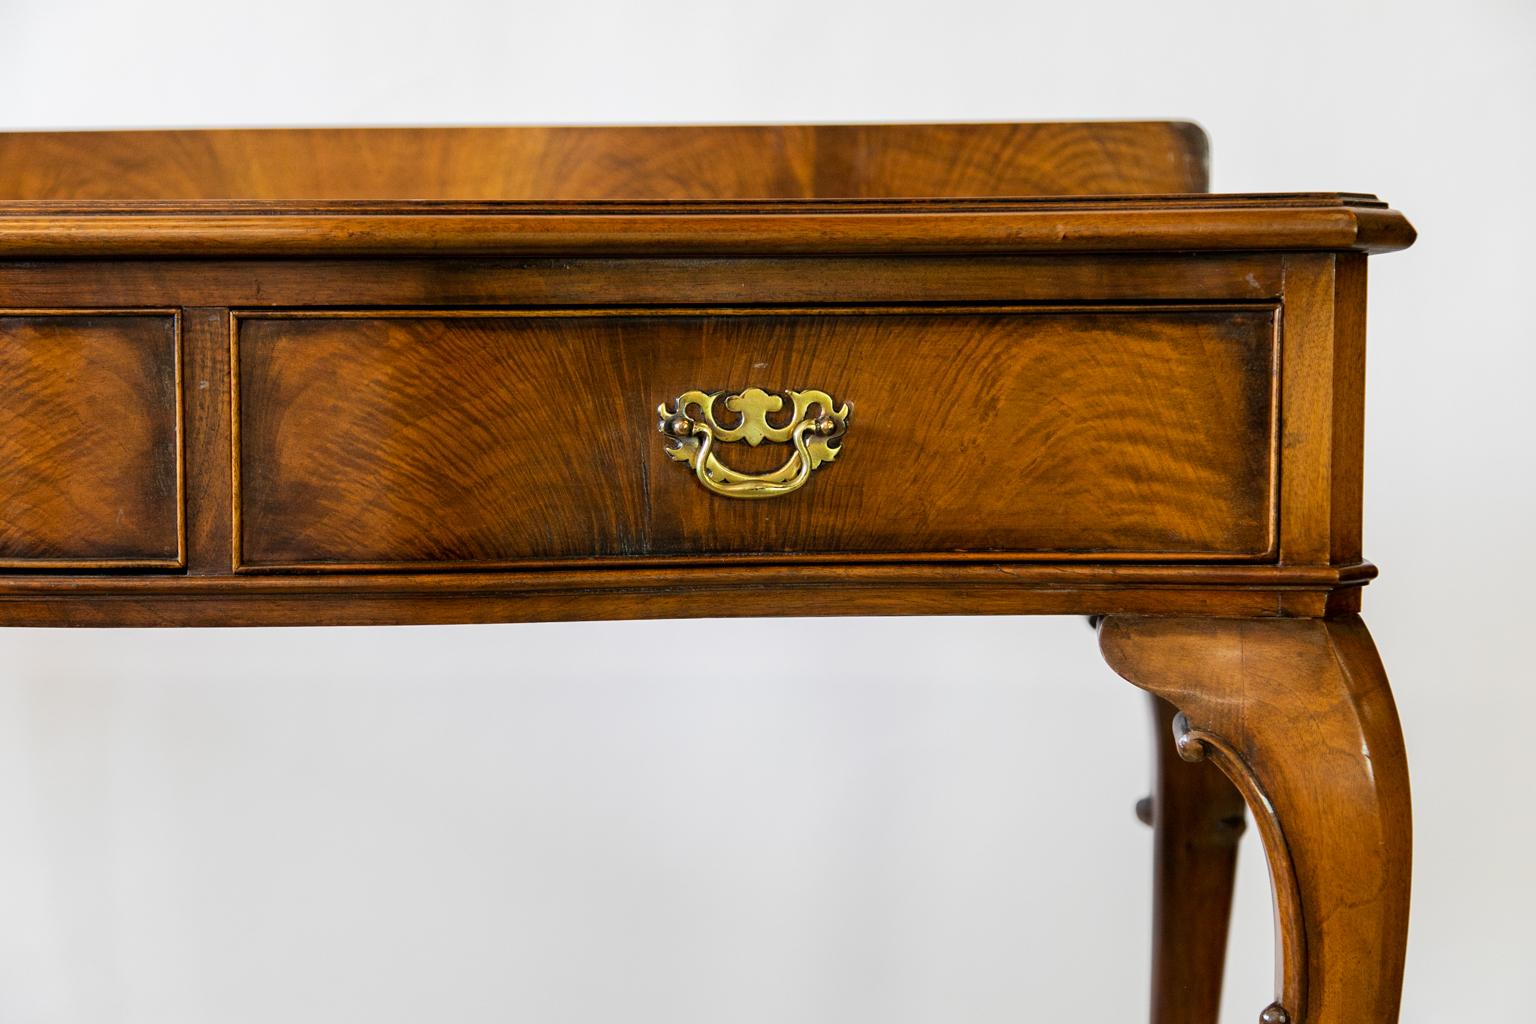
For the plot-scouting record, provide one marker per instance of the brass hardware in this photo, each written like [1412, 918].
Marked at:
[692, 431]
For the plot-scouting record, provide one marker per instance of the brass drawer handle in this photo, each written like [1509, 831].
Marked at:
[692, 431]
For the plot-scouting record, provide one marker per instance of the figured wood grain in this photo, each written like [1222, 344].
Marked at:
[413, 441]
[621, 162]
[89, 428]
[1184, 456]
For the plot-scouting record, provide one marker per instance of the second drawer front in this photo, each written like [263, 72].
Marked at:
[427, 440]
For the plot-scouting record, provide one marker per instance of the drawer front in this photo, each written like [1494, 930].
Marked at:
[90, 459]
[416, 440]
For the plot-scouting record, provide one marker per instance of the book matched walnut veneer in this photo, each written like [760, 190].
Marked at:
[487, 374]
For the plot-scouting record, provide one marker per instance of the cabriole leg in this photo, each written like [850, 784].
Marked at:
[1298, 714]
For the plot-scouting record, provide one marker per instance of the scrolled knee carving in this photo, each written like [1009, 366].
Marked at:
[1189, 743]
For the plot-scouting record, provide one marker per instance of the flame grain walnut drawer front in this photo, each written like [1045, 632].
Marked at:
[481, 439]
[90, 427]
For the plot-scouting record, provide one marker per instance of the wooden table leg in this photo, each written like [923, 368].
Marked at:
[1298, 714]
[1197, 819]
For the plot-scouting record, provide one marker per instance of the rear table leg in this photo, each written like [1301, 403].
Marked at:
[1197, 818]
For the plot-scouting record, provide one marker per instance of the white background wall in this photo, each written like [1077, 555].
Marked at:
[931, 820]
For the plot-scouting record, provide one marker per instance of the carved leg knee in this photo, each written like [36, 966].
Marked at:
[1298, 713]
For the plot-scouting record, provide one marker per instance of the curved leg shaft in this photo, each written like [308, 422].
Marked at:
[1298, 714]
[1197, 818]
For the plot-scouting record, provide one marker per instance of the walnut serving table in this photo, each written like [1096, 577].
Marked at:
[497, 375]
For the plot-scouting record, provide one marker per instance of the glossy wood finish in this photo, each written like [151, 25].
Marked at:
[416, 441]
[1097, 400]
[1298, 713]
[1196, 816]
[649, 280]
[627, 162]
[713, 589]
[89, 431]
[1300, 222]
[1319, 402]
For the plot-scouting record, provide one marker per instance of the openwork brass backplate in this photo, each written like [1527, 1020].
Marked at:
[814, 427]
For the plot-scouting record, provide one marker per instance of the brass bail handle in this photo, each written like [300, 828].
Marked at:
[693, 434]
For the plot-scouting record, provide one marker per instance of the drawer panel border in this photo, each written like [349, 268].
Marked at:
[1270, 555]
[179, 563]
